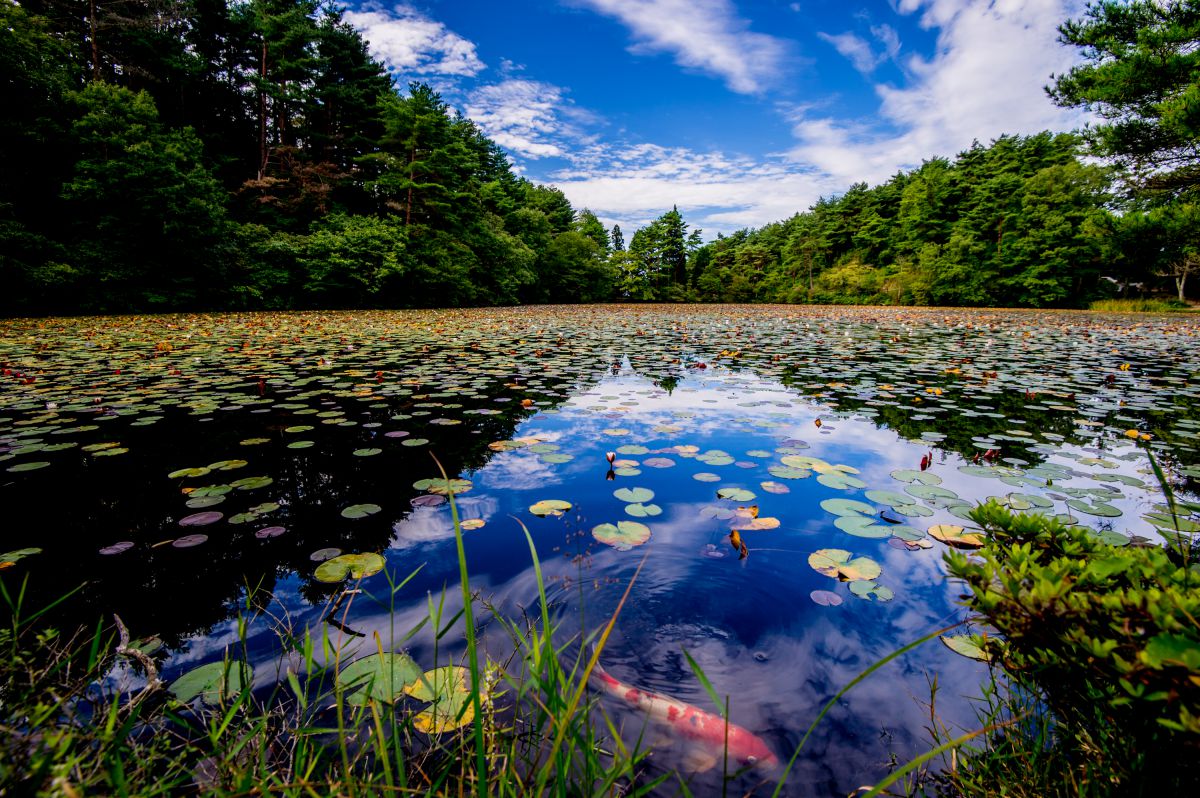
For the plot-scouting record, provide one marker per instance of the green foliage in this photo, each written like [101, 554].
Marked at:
[1136, 306]
[1107, 636]
[1142, 76]
[1021, 222]
[221, 154]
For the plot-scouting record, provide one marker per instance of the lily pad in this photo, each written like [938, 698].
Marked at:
[622, 535]
[549, 507]
[826, 598]
[10, 557]
[360, 510]
[449, 691]
[185, 473]
[967, 645]
[201, 519]
[188, 541]
[735, 494]
[634, 495]
[956, 536]
[643, 510]
[844, 507]
[349, 566]
[443, 486]
[382, 677]
[212, 683]
[869, 589]
[842, 565]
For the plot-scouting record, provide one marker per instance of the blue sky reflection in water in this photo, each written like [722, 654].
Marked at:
[524, 403]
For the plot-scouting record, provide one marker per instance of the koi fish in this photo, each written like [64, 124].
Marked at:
[707, 733]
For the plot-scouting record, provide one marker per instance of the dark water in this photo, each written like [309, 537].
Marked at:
[1031, 408]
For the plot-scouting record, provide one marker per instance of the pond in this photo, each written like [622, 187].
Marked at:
[175, 466]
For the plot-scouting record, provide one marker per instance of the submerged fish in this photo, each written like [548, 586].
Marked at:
[706, 733]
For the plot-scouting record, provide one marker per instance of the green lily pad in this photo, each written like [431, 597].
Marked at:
[349, 566]
[360, 510]
[842, 565]
[212, 683]
[956, 536]
[382, 677]
[889, 497]
[444, 486]
[787, 472]
[643, 510]
[634, 495]
[252, 483]
[448, 689]
[868, 589]
[863, 526]
[1102, 509]
[10, 557]
[184, 473]
[920, 477]
[369, 452]
[622, 535]
[549, 507]
[970, 646]
[845, 507]
[735, 494]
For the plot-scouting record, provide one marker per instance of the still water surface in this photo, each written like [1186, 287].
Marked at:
[174, 464]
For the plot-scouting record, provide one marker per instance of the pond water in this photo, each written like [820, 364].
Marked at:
[171, 465]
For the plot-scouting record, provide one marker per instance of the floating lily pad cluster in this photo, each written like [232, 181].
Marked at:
[1032, 410]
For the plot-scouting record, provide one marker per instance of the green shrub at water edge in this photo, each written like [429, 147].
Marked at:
[1138, 305]
[1106, 638]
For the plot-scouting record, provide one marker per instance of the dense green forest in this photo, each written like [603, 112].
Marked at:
[204, 153]
[179, 154]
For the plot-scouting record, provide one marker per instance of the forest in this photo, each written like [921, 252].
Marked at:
[209, 154]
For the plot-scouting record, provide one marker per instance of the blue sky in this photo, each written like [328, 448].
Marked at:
[741, 112]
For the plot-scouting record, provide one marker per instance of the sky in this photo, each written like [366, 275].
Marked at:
[739, 112]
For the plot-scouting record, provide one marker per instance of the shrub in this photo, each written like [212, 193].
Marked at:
[1107, 636]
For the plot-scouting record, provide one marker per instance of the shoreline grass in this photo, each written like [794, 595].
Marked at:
[1139, 306]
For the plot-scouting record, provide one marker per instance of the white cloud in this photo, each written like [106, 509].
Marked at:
[528, 117]
[985, 79]
[860, 52]
[412, 44]
[716, 192]
[706, 35]
[856, 49]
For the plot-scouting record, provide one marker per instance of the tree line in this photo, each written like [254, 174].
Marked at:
[167, 154]
[180, 154]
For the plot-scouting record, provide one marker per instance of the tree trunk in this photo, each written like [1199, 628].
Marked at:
[262, 114]
[412, 156]
[95, 44]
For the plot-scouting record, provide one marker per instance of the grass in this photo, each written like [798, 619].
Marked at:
[1138, 306]
[67, 728]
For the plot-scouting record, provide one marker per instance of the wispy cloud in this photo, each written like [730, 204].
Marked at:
[706, 35]
[861, 52]
[985, 79]
[411, 44]
[529, 118]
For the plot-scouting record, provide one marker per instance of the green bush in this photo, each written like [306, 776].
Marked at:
[1107, 636]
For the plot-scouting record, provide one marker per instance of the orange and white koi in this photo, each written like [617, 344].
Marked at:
[701, 729]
